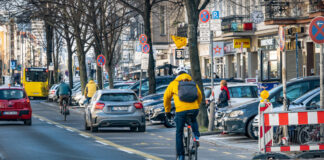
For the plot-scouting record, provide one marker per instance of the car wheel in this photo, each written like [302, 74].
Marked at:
[94, 129]
[142, 128]
[86, 127]
[28, 122]
[170, 123]
[133, 129]
[250, 131]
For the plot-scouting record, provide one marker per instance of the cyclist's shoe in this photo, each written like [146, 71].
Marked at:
[180, 157]
[196, 139]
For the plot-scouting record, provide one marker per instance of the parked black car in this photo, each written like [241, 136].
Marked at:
[161, 80]
[157, 114]
[239, 119]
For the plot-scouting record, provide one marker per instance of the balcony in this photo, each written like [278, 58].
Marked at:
[290, 12]
[237, 25]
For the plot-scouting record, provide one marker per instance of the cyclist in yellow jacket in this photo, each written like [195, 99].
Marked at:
[182, 108]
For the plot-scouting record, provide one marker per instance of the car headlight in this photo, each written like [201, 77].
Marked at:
[158, 110]
[236, 113]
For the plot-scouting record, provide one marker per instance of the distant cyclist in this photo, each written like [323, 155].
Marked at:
[64, 93]
[187, 98]
[90, 90]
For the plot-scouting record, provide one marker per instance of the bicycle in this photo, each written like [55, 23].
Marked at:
[65, 110]
[189, 141]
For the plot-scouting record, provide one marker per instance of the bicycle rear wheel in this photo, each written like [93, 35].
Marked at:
[190, 144]
[64, 109]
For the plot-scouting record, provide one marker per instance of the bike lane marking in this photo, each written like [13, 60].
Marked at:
[101, 140]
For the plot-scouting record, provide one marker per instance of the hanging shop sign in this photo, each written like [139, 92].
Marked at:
[238, 42]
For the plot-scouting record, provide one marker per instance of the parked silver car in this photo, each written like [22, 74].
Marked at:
[115, 108]
[52, 93]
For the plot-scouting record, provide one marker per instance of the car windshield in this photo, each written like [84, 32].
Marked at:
[9, 94]
[118, 97]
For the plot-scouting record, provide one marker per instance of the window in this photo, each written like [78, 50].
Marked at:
[294, 91]
[118, 97]
[10, 94]
[36, 76]
[241, 92]
[162, 20]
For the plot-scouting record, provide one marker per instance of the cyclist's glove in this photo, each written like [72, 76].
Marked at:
[168, 115]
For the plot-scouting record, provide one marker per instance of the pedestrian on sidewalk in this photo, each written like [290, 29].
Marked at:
[90, 90]
[224, 96]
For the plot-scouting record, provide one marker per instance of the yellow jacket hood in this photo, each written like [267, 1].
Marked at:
[183, 76]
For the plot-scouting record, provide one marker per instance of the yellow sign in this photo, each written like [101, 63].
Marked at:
[264, 95]
[238, 42]
[179, 41]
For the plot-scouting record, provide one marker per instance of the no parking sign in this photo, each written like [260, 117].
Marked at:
[101, 60]
[146, 48]
[204, 16]
[316, 30]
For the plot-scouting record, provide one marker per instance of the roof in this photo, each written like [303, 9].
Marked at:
[116, 91]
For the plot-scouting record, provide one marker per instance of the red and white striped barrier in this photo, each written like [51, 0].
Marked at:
[293, 118]
[265, 136]
[313, 147]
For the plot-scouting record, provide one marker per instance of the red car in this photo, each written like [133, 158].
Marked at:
[15, 105]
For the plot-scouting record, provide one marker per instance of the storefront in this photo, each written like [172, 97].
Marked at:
[269, 59]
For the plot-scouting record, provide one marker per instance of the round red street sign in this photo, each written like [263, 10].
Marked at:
[316, 30]
[143, 38]
[204, 16]
[101, 60]
[282, 38]
[146, 48]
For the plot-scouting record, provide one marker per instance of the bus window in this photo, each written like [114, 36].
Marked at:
[36, 76]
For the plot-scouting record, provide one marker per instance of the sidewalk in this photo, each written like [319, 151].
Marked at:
[232, 141]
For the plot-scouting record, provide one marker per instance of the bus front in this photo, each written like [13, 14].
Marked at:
[35, 81]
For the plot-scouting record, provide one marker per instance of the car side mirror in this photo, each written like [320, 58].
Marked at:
[312, 106]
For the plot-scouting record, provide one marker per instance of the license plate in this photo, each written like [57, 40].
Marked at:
[119, 108]
[36, 93]
[10, 113]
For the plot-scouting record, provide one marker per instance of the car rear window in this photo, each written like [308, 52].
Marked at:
[118, 97]
[9, 94]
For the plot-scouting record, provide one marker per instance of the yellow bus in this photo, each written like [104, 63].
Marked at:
[35, 82]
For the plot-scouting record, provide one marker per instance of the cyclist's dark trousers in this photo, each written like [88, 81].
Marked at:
[180, 123]
[65, 97]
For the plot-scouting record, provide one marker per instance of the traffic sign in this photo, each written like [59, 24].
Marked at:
[101, 60]
[204, 16]
[143, 38]
[282, 38]
[218, 49]
[215, 15]
[13, 64]
[146, 48]
[179, 54]
[316, 30]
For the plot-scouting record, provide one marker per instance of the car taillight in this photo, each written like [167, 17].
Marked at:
[27, 100]
[213, 94]
[99, 106]
[138, 105]
[52, 92]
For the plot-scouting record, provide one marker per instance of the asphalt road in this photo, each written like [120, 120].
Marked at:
[52, 138]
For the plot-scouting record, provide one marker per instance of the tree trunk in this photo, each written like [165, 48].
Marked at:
[69, 49]
[151, 67]
[110, 76]
[49, 49]
[192, 14]
[98, 51]
[82, 63]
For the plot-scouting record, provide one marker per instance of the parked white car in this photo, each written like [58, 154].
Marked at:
[240, 93]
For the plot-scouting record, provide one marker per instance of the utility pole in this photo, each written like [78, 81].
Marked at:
[322, 87]
[212, 104]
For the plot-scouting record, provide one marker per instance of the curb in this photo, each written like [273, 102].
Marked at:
[210, 133]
